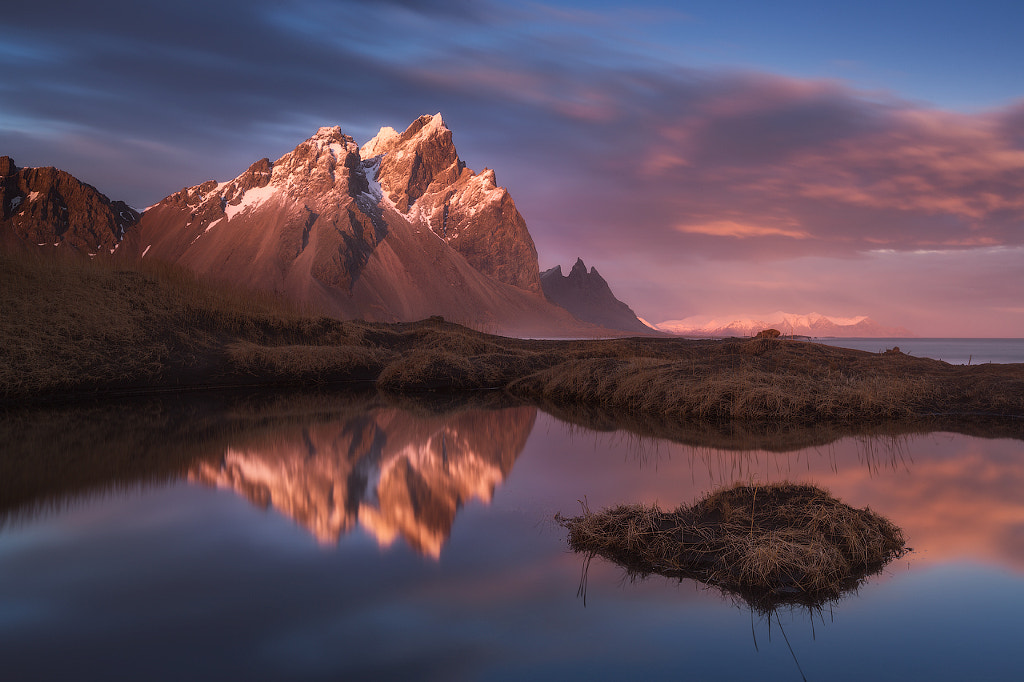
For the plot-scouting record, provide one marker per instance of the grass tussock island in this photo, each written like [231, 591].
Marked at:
[72, 328]
[769, 545]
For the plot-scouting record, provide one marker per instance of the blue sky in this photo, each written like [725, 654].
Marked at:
[708, 158]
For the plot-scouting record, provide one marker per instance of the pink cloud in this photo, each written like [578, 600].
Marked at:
[730, 228]
[818, 196]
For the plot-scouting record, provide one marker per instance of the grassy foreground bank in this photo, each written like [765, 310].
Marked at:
[71, 328]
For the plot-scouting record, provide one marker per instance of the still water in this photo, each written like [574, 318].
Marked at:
[307, 538]
[953, 351]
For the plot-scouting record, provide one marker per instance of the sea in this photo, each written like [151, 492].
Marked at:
[953, 351]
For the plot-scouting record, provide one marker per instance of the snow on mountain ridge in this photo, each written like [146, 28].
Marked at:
[800, 324]
[378, 143]
[322, 168]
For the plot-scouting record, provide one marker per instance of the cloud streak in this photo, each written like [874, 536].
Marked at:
[640, 162]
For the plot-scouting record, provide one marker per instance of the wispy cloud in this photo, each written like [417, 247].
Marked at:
[729, 228]
[613, 151]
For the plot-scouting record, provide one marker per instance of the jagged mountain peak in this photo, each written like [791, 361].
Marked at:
[579, 276]
[426, 126]
[427, 130]
[331, 134]
[323, 170]
[421, 175]
[579, 272]
[588, 297]
[49, 207]
[410, 162]
[380, 143]
[398, 230]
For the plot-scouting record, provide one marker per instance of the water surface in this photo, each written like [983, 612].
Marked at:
[953, 351]
[311, 538]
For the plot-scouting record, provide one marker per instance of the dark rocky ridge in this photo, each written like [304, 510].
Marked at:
[589, 298]
[47, 206]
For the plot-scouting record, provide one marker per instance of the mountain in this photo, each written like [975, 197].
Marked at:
[422, 177]
[389, 472]
[589, 298]
[49, 207]
[812, 324]
[396, 231]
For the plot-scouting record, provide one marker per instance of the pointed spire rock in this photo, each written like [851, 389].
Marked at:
[589, 298]
[579, 269]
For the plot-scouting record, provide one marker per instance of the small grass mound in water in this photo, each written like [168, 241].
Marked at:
[770, 545]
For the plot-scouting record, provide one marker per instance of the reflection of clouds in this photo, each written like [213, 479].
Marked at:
[392, 473]
[961, 502]
[957, 498]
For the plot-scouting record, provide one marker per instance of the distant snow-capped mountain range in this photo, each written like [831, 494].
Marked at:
[810, 324]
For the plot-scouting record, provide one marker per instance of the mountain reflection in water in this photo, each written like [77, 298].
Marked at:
[389, 471]
[337, 462]
[114, 566]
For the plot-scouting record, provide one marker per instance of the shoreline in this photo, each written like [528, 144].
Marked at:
[78, 331]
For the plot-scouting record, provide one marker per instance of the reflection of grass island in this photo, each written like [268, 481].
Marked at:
[769, 545]
[74, 328]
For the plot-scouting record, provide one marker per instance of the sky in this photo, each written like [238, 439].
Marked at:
[709, 158]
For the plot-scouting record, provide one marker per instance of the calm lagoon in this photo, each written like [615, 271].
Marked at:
[307, 539]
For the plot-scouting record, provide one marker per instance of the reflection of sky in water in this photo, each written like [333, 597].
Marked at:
[190, 582]
[955, 497]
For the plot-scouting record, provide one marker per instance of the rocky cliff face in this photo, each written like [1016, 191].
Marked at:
[589, 298]
[391, 473]
[397, 231]
[49, 207]
[423, 177]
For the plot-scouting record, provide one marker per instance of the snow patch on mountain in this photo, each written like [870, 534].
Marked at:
[250, 199]
[379, 143]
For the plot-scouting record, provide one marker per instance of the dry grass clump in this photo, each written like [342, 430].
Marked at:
[717, 388]
[308, 364]
[775, 544]
[430, 369]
